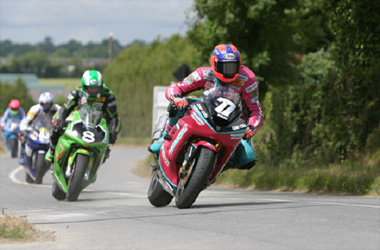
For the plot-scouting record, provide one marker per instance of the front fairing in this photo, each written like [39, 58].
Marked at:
[39, 137]
[223, 105]
[12, 125]
[88, 128]
[38, 141]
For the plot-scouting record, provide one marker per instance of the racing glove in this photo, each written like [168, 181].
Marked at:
[180, 102]
[60, 124]
[2, 126]
[56, 132]
[250, 132]
[23, 135]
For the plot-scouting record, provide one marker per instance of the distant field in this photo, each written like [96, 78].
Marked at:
[69, 83]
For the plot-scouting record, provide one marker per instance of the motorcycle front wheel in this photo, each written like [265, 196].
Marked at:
[28, 179]
[57, 192]
[188, 192]
[77, 177]
[157, 196]
[40, 166]
[13, 144]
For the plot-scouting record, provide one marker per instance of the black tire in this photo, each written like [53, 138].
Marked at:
[13, 144]
[187, 194]
[28, 179]
[40, 166]
[77, 177]
[57, 192]
[157, 195]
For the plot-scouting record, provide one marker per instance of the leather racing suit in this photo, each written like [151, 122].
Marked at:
[246, 85]
[77, 99]
[35, 112]
[106, 101]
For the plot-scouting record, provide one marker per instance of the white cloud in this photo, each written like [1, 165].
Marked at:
[91, 20]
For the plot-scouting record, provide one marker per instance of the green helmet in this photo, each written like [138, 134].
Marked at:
[92, 83]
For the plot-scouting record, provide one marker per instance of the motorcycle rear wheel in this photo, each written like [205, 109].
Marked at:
[157, 196]
[187, 193]
[13, 144]
[77, 177]
[41, 166]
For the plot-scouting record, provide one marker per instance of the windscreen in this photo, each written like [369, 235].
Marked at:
[91, 116]
[43, 121]
[223, 104]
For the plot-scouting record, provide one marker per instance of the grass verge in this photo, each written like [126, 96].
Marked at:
[143, 168]
[15, 228]
[349, 178]
[2, 149]
[129, 141]
[18, 229]
[338, 179]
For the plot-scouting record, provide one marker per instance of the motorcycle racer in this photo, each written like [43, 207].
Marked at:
[45, 109]
[225, 71]
[14, 110]
[92, 92]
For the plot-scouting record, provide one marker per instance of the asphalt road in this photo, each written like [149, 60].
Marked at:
[114, 213]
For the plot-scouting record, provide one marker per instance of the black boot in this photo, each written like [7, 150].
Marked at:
[106, 154]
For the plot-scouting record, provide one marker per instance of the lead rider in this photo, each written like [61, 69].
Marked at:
[225, 71]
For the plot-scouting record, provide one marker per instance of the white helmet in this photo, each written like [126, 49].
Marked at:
[46, 98]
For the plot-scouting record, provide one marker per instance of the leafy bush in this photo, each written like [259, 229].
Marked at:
[18, 91]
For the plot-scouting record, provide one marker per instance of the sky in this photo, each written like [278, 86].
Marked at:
[30, 21]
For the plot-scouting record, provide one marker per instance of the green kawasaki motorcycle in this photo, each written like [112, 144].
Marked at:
[79, 152]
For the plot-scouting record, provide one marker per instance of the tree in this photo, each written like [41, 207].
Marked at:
[47, 45]
[133, 74]
[31, 62]
[268, 33]
[6, 48]
[356, 26]
[18, 91]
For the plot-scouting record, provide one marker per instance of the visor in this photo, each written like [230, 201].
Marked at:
[47, 105]
[95, 90]
[227, 68]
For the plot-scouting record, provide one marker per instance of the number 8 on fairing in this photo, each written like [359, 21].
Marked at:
[88, 137]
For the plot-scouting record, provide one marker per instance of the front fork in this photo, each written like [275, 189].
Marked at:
[61, 179]
[187, 162]
[190, 155]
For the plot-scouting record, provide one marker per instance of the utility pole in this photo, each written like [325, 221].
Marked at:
[110, 47]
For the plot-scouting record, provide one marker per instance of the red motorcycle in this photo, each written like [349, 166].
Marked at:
[197, 148]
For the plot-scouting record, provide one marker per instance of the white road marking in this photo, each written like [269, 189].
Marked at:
[295, 201]
[326, 203]
[126, 194]
[343, 204]
[13, 178]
